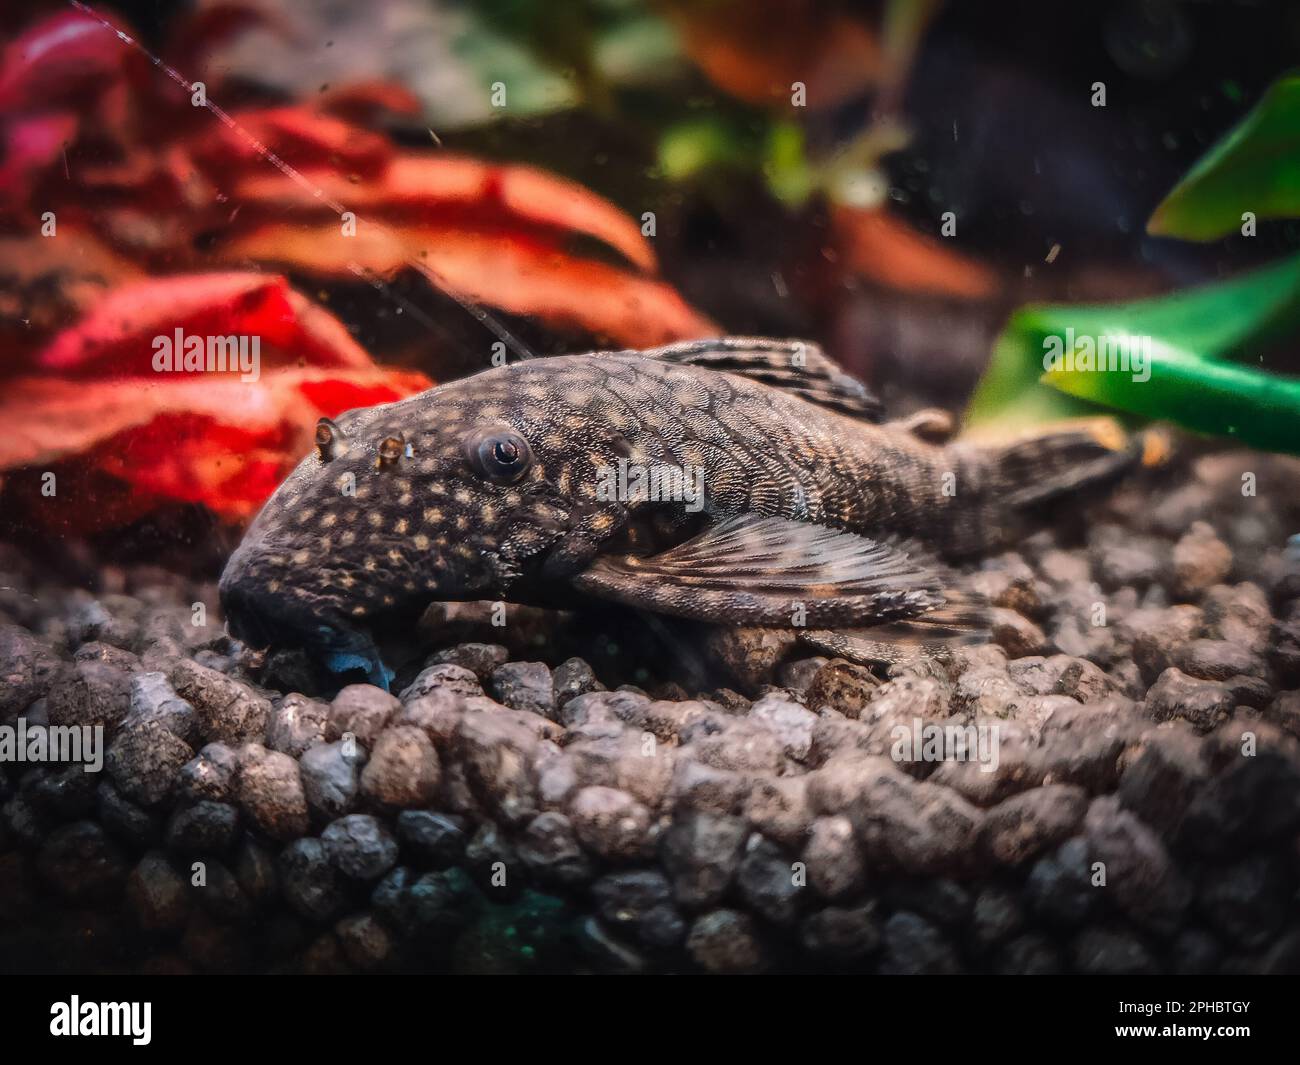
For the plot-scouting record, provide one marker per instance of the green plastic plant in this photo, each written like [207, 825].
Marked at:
[1194, 358]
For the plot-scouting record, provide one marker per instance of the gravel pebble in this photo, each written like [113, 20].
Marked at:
[1020, 828]
[725, 941]
[1219, 660]
[270, 792]
[153, 699]
[360, 710]
[28, 667]
[145, 762]
[209, 775]
[447, 676]
[612, 824]
[331, 777]
[481, 659]
[230, 711]
[89, 694]
[310, 881]
[157, 895]
[771, 884]
[359, 846]
[1201, 560]
[296, 724]
[835, 859]
[1203, 704]
[572, 678]
[791, 723]
[403, 769]
[205, 828]
[641, 900]
[81, 864]
[525, 686]
[914, 946]
[365, 942]
[432, 838]
[550, 848]
[842, 933]
[916, 827]
[701, 853]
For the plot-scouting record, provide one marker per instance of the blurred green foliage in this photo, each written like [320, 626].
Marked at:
[1192, 371]
[1195, 344]
[1255, 168]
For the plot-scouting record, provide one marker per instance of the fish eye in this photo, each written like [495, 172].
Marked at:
[500, 455]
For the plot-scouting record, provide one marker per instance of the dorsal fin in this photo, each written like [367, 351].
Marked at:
[797, 366]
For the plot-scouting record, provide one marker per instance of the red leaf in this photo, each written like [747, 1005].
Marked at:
[303, 138]
[363, 102]
[221, 442]
[63, 57]
[118, 335]
[31, 145]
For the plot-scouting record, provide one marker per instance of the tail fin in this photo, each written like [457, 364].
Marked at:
[1068, 456]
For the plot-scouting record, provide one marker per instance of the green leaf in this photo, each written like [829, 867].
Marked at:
[698, 144]
[1255, 168]
[785, 166]
[1221, 398]
[1170, 358]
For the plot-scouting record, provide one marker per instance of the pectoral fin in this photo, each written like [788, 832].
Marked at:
[771, 571]
[960, 622]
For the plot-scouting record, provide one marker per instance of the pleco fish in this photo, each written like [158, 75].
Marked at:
[741, 481]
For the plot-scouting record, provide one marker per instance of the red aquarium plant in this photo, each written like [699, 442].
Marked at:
[137, 214]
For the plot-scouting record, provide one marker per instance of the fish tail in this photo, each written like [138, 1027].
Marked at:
[1059, 460]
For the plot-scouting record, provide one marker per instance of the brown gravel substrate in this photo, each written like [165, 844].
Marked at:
[499, 813]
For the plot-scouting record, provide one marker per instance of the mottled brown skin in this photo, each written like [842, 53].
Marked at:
[423, 521]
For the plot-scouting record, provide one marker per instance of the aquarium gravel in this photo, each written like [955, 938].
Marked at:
[1129, 801]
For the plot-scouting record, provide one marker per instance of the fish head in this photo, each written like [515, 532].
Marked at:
[455, 494]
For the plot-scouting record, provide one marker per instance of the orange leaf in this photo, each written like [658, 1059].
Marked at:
[423, 189]
[885, 250]
[496, 268]
[757, 49]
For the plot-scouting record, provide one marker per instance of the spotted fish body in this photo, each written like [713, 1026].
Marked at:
[812, 513]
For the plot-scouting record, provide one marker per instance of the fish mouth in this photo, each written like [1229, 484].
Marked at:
[264, 620]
